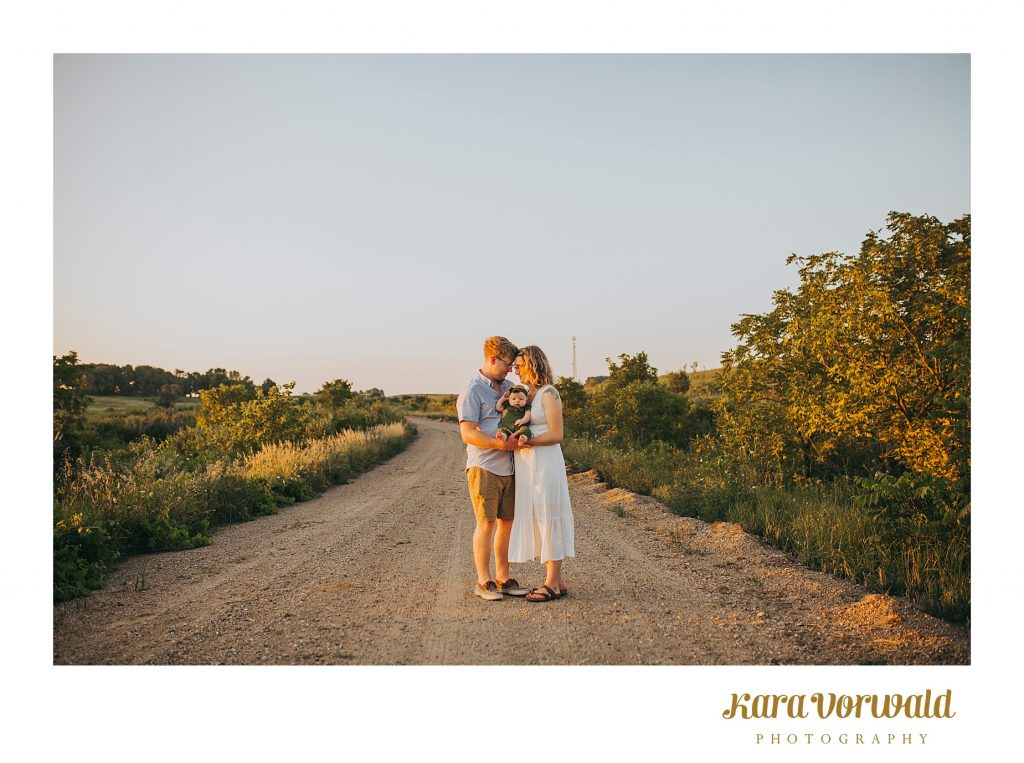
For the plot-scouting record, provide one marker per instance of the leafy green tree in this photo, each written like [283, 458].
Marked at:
[335, 393]
[70, 400]
[168, 395]
[677, 381]
[236, 418]
[867, 364]
[574, 396]
[631, 368]
[638, 413]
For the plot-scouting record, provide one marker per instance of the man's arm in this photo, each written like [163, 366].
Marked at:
[471, 435]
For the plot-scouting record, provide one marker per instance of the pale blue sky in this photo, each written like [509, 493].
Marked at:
[375, 217]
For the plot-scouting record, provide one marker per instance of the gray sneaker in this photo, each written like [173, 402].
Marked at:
[511, 587]
[489, 591]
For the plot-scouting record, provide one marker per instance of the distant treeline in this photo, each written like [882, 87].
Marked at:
[148, 381]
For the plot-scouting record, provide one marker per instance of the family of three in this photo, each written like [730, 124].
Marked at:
[516, 471]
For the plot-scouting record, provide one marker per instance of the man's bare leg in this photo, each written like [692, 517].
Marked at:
[482, 550]
[501, 539]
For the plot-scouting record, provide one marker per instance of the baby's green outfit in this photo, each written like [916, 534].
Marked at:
[512, 415]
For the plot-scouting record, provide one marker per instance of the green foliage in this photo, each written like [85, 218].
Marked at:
[148, 481]
[156, 499]
[838, 427]
[146, 381]
[574, 396]
[82, 555]
[168, 395]
[834, 527]
[234, 419]
[677, 381]
[115, 430]
[639, 412]
[866, 364]
[69, 399]
[631, 368]
[335, 393]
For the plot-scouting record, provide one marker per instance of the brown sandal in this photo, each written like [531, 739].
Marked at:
[543, 591]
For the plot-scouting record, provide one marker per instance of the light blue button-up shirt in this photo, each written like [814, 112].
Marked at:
[476, 403]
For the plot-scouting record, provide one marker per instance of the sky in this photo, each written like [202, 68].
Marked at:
[375, 217]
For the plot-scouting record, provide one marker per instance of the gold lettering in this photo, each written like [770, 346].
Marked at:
[913, 707]
[731, 712]
[944, 704]
[819, 700]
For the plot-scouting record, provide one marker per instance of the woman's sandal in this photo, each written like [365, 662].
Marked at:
[546, 593]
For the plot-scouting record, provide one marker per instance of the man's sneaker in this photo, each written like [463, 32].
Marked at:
[511, 587]
[489, 591]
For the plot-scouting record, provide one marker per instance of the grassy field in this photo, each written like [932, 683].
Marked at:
[104, 404]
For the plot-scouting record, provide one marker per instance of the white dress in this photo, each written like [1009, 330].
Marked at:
[543, 521]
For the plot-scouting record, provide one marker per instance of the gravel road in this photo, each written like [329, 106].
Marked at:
[379, 571]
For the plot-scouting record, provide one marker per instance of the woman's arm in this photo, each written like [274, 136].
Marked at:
[553, 413]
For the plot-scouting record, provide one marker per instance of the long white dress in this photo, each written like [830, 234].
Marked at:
[543, 521]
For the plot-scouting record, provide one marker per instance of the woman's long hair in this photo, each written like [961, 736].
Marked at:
[534, 367]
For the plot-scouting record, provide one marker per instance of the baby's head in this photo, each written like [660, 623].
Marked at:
[517, 397]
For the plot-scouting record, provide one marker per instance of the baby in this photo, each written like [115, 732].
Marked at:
[515, 414]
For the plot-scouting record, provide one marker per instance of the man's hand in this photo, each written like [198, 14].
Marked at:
[512, 443]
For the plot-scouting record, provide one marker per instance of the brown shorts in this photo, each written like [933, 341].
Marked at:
[493, 497]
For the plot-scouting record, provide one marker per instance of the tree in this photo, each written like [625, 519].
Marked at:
[237, 418]
[639, 413]
[632, 409]
[70, 382]
[677, 381]
[267, 384]
[867, 363]
[335, 393]
[574, 397]
[168, 395]
[630, 369]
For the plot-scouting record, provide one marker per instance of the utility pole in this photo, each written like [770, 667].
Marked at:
[574, 357]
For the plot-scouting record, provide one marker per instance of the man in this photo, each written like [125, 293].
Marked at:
[489, 469]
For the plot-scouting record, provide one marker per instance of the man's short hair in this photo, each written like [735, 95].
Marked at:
[500, 347]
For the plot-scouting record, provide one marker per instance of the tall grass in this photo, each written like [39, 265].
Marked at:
[822, 525]
[107, 506]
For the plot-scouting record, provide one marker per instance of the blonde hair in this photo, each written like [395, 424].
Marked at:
[499, 346]
[534, 367]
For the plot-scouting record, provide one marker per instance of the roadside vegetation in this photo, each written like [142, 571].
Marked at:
[436, 407]
[838, 427]
[133, 476]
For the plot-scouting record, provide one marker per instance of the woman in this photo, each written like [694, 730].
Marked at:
[543, 524]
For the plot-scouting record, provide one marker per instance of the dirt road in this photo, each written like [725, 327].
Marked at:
[379, 571]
